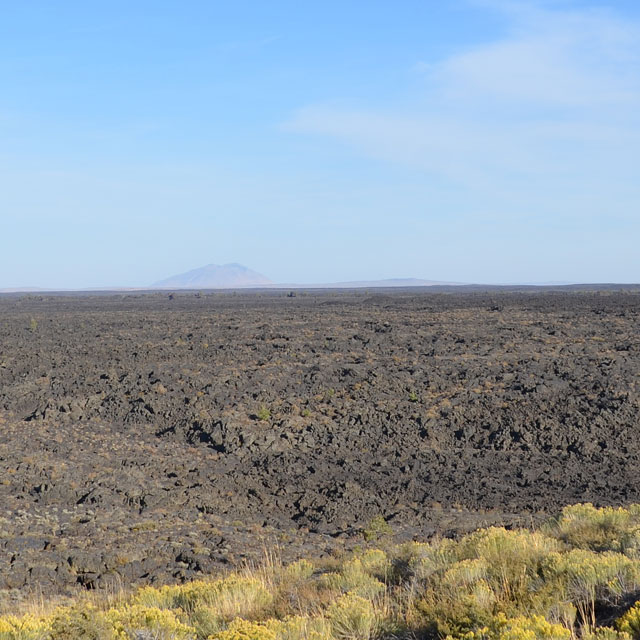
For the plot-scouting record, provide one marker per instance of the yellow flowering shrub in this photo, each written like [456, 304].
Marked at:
[83, 621]
[512, 562]
[456, 610]
[375, 562]
[589, 577]
[519, 572]
[300, 628]
[352, 618]
[161, 597]
[494, 584]
[605, 633]
[244, 630]
[354, 578]
[129, 621]
[584, 526]
[234, 596]
[423, 560]
[465, 583]
[630, 622]
[528, 628]
[465, 573]
[519, 628]
[27, 627]
[501, 548]
[297, 572]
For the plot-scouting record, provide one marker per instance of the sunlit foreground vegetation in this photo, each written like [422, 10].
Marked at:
[577, 577]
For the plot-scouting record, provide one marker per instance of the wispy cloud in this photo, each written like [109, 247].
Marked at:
[549, 110]
[572, 59]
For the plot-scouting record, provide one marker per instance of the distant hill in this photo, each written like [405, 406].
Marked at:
[235, 276]
[215, 276]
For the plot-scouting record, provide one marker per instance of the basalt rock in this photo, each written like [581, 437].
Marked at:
[147, 440]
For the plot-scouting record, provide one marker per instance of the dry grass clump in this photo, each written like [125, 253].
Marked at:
[569, 580]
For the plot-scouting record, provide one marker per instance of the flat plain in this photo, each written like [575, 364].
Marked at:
[149, 439]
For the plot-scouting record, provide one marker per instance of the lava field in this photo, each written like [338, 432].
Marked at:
[151, 438]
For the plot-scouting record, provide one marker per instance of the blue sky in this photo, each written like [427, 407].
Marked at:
[473, 140]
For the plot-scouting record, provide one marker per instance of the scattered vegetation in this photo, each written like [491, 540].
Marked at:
[575, 578]
[377, 528]
[263, 414]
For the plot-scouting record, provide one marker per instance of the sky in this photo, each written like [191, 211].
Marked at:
[486, 141]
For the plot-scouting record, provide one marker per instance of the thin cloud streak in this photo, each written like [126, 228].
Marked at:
[550, 109]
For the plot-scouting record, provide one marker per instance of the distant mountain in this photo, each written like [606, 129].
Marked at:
[236, 276]
[215, 276]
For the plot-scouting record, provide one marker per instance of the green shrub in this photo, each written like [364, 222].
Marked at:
[263, 414]
[491, 570]
[376, 563]
[297, 572]
[589, 578]
[352, 618]
[583, 526]
[605, 633]
[377, 528]
[225, 599]
[354, 578]
[418, 561]
[80, 622]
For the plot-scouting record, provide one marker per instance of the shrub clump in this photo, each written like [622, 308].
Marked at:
[560, 583]
[583, 526]
[629, 623]
[376, 529]
[352, 618]
[133, 621]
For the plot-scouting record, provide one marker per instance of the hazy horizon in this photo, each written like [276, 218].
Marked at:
[485, 141]
[185, 281]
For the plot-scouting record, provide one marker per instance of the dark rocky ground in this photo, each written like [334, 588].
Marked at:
[131, 447]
